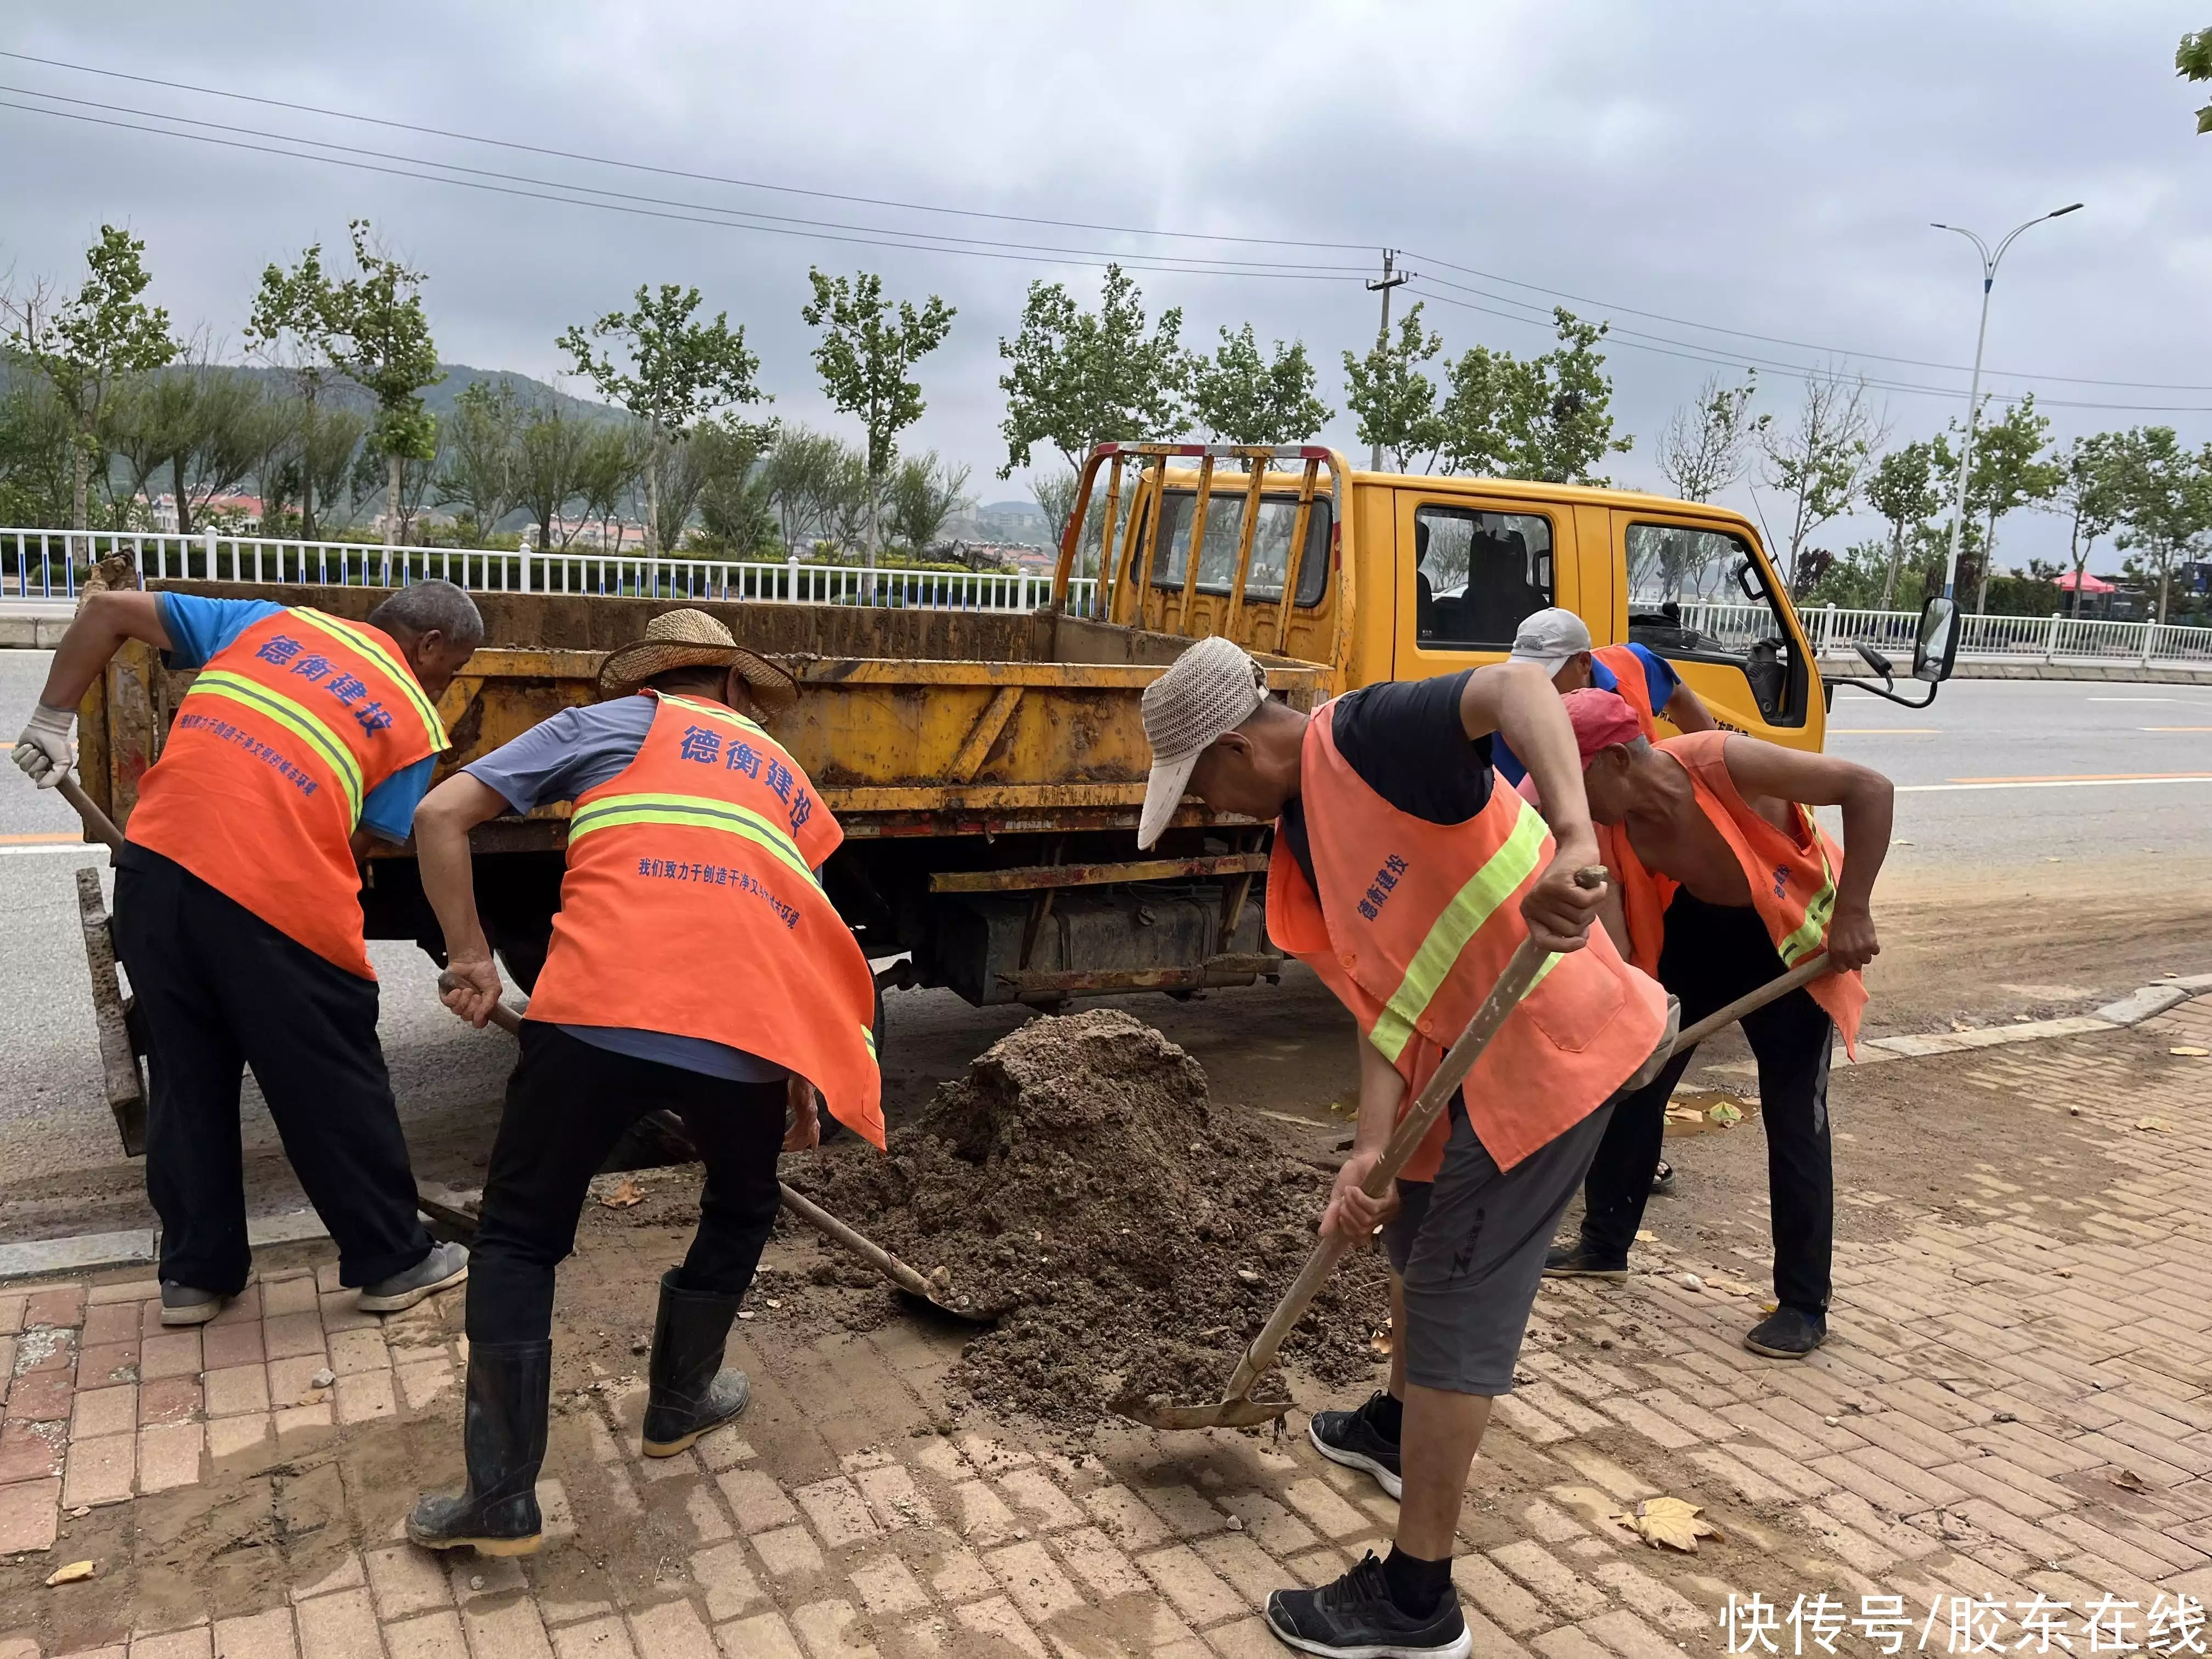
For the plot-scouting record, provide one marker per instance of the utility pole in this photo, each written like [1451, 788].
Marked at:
[1392, 277]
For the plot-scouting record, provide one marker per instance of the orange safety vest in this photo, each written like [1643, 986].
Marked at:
[1792, 877]
[1645, 894]
[282, 737]
[1630, 682]
[1414, 922]
[692, 906]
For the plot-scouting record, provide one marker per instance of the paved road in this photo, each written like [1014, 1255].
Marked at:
[1976, 771]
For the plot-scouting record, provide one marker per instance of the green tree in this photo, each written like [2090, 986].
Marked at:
[1394, 401]
[36, 450]
[924, 493]
[1819, 462]
[801, 480]
[483, 474]
[610, 460]
[294, 327]
[1078, 377]
[679, 373]
[1547, 419]
[1902, 488]
[865, 356]
[550, 449]
[88, 343]
[2164, 494]
[2009, 473]
[734, 516]
[2090, 494]
[381, 337]
[2192, 61]
[1708, 440]
[1241, 396]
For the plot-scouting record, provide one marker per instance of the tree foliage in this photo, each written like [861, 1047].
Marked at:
[925, 492]
[380, 338]
[1903, 488]
[1393, 399]
[1546, 418]
[2008, 473]
[293, 326]
[2192, 61]
[1819, 461]
[1242, 396]
[671, 374]
[1707, 442]
[483, 474]
[2091, 494]
[1077, 378]
[2165, 493]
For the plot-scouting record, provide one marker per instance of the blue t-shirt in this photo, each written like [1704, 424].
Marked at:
[559, 759]
[1659, 676]
[198, 628]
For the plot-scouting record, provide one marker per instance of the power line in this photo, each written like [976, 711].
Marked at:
[673, 172]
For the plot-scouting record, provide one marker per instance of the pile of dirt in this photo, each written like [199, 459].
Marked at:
[1130, 1239]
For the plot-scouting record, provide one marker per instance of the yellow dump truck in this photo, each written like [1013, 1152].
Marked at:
[988, 767]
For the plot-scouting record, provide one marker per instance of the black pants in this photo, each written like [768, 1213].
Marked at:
[1713, 955]
[566, 1104]
[219, 990]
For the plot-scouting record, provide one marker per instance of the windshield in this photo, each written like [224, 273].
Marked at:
[1700, 594]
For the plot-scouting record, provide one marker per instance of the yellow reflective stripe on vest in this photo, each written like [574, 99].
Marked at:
[1812, 932]
[692, 812]
[1463, 918]
[295, 717]
[727, 716]
[868, 1037]
[373, 648]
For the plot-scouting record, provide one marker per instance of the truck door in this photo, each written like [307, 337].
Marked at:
[1704, 598]
[1466, 571]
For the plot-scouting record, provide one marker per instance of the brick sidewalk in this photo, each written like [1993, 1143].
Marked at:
[2010, 1407]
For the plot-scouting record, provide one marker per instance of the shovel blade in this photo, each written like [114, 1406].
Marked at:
[1242, 1413]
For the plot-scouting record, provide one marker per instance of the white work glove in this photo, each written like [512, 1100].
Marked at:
[43, 750]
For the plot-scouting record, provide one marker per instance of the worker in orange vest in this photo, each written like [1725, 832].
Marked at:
[1723, 855]
[1559, 642]
[696, 965]
[238, 916]
[1405, 878]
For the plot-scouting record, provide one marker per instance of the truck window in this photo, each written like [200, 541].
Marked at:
[1697, 595]
[1476, 575]
[1271, 544]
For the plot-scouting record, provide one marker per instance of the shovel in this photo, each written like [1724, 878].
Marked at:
[1236, 1409]
[837, 1232]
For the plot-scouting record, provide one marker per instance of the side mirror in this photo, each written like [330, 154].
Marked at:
[1935, 649]
[1747, 582]
[1876, 660]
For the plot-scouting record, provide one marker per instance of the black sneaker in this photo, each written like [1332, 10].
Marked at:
[1578, 1261]
[1787, 1334]
[1350, 1438]
[1355, 1618]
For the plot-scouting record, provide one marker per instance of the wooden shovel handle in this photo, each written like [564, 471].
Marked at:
[1803, 973]
[505, 1018]
[97, 823]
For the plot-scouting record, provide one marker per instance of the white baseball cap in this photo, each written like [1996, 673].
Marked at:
[1213, 688]
[1548, 638]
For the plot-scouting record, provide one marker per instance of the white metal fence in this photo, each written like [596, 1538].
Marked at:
[1834, 631]
[52, 564]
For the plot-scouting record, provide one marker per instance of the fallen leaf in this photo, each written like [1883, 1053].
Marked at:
[1645, 1236]
[71, 1573]
[1381, 1342]
[2128, 1481]
[1669, 1521]
[1726, 1114]
[2191, 1050]
[624, 1196]
[2151, 1123]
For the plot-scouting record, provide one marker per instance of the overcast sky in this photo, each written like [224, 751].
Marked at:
[1770, 168]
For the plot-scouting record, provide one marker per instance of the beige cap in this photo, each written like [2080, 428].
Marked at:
[1548, 638]
[686, 639]
[1211, 688]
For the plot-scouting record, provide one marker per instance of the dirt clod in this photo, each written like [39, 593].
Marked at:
[1130, 1237]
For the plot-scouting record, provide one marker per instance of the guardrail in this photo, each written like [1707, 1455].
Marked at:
[1833, 630]
[52, 564]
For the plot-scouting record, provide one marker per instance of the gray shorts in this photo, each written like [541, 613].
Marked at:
[1470, 1246]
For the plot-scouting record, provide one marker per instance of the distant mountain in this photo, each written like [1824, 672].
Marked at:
[441, 399]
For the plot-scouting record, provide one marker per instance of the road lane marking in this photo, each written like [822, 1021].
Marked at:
[2174, 728]
[33, 851]
[2106, 781]
[2142, 700]
[1886, 730]
[48, 838]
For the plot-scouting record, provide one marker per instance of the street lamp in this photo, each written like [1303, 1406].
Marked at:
[1974, 388]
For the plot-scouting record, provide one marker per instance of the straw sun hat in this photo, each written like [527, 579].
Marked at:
[686, 639]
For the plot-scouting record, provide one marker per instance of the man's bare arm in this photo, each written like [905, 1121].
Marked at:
[1688, 711]
[1867, 800]
[96, 633]
[442, 824]
[1519, 700]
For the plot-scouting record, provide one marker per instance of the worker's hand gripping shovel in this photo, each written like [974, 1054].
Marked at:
[1236, 1408]
[837, 1232]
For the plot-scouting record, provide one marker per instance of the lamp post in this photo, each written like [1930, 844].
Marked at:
[1974, 388]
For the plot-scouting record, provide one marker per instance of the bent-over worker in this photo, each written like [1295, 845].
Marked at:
[1718, 852]
[696, 965]
[1407, 880]
[237, 911]
[1559, 642]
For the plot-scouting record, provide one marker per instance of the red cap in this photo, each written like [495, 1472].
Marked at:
[1601, 719]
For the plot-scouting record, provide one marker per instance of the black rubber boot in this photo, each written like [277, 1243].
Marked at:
[503, 1438]
[691, 1392]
